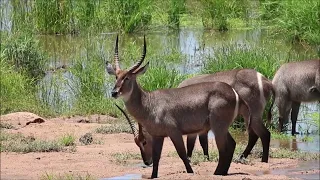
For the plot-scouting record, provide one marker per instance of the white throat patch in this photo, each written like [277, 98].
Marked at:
[126, 96]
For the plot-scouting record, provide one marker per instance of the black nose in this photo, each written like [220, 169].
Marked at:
[148, 163]
[114, 93]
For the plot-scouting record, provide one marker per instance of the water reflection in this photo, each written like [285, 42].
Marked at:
[127, 176]
[294, 144]
[305, 170]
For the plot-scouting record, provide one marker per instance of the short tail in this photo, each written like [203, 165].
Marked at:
[243, 102]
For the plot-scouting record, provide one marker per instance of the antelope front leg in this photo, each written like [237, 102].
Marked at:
[157, 144]
[176, 138]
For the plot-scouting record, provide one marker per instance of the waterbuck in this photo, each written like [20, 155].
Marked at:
[253, 88]
[296, 82]
[177, 111]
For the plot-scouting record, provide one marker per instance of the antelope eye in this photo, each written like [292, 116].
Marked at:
[144, 143]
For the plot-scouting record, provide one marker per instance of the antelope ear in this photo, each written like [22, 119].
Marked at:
[110, 69]
[141, 70]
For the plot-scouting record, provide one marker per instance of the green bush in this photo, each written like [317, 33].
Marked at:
[23, 52]
[52, 16]
[216, 13]
[298, 20]
[128, 16]
[160, 77]
[16, 92]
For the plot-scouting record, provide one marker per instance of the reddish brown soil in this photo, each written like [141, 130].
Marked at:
[97, 159]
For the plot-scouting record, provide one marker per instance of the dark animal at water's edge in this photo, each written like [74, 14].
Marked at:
[296, 82]
[253, 88]
[174, 112]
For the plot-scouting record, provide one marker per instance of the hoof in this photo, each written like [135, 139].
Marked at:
[294, 133]
[242, 160]
[189, 171]
[220, 173]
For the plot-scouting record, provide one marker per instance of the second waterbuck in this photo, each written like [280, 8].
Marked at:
[174, 112]
[296, 82]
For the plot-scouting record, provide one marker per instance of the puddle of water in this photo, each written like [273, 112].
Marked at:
[126, 176]
[305, 170]
[293, 144]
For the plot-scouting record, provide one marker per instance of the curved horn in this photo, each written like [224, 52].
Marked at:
[134, 67]
[134, 131]
[116, 56]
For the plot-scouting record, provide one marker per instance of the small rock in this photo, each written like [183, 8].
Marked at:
[246, 178]
[86, 139]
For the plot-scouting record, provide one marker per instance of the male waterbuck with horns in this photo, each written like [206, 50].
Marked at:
[253, 88]
[296, 82]
[174, 112]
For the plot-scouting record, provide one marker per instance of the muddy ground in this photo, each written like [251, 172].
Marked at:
[98, 159]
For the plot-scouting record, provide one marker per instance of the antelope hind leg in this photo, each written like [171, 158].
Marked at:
[226, 146]
[176, 138]
[260, 129]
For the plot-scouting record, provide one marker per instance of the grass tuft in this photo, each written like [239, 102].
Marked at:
[67, 140]
[114, 128]
[123, 158]
[66, 176]
[19, 143]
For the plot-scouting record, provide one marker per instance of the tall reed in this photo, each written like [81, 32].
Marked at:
[22, 51]
[176, 8]
[53, 16]
[298, 20]
[128, 16]
[216, 13]
[16, 92]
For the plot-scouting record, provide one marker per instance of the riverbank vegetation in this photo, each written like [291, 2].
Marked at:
[298, 20]
[53, 77]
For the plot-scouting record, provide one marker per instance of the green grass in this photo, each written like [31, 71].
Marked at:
[16, 92]
[234, 56]
[66, 176]
[67, 140]
[276, 135]
[19, 143]
[114, 128]
[123, 158]
[160, 77]
[22, 51]
[217, 13]
[297, 20]
[6, 125]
